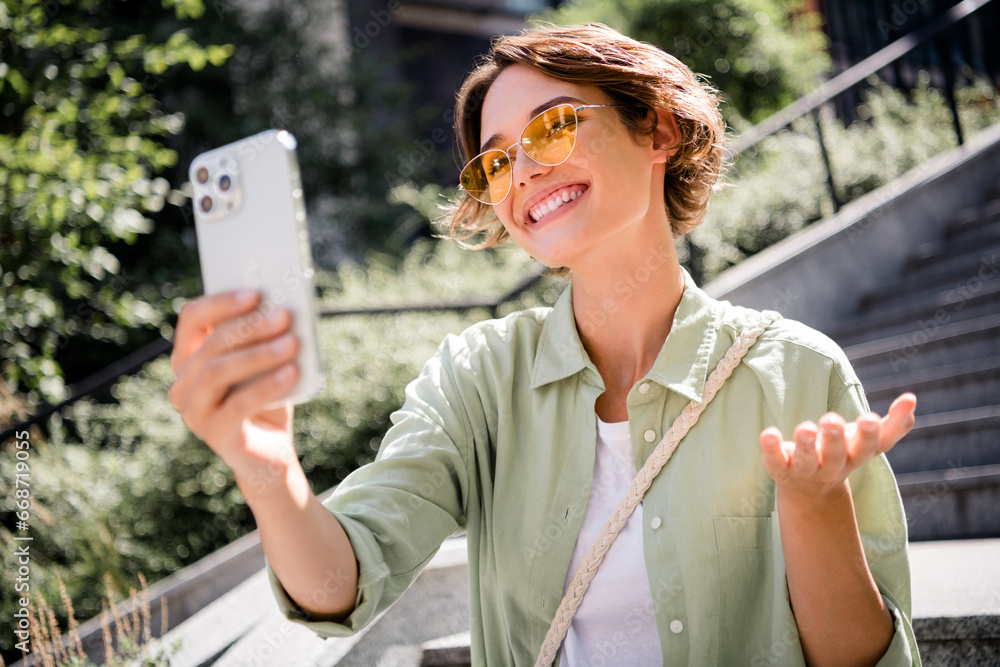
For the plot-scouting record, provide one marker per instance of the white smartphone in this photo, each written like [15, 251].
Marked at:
[250, 219]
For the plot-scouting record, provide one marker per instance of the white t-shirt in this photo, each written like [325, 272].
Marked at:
[614, 624]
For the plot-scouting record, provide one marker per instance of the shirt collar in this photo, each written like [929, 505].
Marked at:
[681, 365]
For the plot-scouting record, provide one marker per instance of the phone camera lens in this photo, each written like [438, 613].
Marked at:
[206, 204]
[225, 182]
[202, 175]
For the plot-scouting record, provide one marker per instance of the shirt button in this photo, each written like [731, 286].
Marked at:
[655, 523]
[649, 435]
[676, 627]
[644, 388]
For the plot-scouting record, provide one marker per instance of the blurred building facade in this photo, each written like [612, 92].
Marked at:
[432, 45]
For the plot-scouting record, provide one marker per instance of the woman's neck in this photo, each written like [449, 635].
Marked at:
[624, 306]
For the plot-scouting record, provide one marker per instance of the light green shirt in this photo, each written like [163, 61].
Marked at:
[497, 437]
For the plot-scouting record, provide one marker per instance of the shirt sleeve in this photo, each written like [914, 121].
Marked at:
[399, 509]
[882, 525]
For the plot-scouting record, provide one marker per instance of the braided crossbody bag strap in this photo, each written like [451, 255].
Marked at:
[689, 416]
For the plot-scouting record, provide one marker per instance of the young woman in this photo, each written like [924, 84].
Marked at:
[592, 152]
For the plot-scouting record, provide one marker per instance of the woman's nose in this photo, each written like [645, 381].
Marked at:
[524, 168]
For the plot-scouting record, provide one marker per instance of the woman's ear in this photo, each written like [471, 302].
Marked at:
[667, 135]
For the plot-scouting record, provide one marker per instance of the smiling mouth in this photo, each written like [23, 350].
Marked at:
[555, 201]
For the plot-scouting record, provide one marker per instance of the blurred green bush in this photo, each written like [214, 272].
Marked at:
[780, 186]
[82, 141]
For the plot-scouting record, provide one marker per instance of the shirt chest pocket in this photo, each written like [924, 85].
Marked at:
[756, 626]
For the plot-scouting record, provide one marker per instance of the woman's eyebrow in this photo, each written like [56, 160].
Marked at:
[495, 139]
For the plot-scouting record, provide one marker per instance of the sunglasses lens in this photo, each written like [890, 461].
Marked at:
[487, 177]
[548, 139]
[550, 136]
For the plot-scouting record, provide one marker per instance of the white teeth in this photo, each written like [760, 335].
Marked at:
[543, 209]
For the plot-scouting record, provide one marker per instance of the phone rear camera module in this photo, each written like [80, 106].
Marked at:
[202, 175]
[225, 182]
[206, 204]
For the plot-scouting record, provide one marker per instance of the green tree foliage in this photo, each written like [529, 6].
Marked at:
[81, 144]
[98, 244]
[762, 54]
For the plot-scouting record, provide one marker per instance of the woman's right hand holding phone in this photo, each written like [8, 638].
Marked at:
[221, 341]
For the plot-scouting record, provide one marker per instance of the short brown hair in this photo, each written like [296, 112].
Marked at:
[630, 73]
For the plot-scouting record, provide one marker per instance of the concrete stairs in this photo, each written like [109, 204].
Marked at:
[935, 331]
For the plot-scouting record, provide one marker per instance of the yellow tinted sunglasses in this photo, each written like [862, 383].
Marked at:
[548, 139]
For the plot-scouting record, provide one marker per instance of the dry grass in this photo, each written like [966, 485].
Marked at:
[129, 639]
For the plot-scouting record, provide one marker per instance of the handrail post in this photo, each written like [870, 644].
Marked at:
[826, 162]
[947, 68]
[695, 259]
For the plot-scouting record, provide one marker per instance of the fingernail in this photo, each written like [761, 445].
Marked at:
[869, 427]
[282, 345]
[246, 296]
[284, 374]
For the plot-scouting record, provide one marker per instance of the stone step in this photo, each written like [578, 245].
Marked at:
[993, 192]
[930, 254]
[956, 439]
[973, 218]
[451, 651]
[982, 263]
[920, 311]
[956, 261]
[963, 272]
[949, 343]
[912, 292]
[966, 384]
[957, 503]
[956, 601]
[436, 605]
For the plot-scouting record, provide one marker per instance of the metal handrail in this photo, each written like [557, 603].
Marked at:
[852, 76]
[493, 305]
